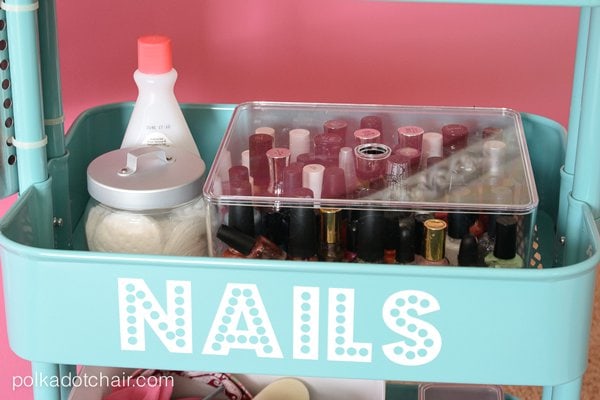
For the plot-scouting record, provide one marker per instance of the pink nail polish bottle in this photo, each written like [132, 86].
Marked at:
[411, 136]
[455, 138]
[259, 144]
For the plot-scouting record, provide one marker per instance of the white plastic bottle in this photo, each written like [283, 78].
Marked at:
[157, 118]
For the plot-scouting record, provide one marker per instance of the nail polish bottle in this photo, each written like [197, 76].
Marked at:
[373, 122]
[306, 158]
[327, 148]
[366, 135]
[468, 252]
[405, 245]
[487, 240]
[312, 178]
[390, 236]
[259, 144]
[397, 171]
[370, 240]
[350, 236]
[330, 238]
[491, 132]
[420, 219]
[250, 247]
[278, 158]
[434, 238]
[241, 217]
[334, 183]
[267, 130]
[458, 227]
[454, 138]
[432, 145]
[292, 177]
[299, 142]
[412, 155]
[370, 165]
[411, 136]
[346, 162]
[303, 233]
[337, 127]
[505, 249]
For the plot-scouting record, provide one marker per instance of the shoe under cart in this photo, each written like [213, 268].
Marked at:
[66, 306]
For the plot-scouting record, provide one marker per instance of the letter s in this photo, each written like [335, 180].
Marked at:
[422, 341]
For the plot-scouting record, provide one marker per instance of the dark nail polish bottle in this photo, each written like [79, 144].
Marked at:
[240, 216]
[371, 231]
[250, 247]
[505, 249]
[405, 245]
[303, 234]
[468, 253]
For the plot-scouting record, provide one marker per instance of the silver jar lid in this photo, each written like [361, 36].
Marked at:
[145, 178]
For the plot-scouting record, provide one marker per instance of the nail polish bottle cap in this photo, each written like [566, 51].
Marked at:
[432, 144]
[506, 237]
[299, 142]
[337, 126]
[334, 183]
[259, 144]
[431, 161]
[494, 152]
[367, 135]
[392, 229]
[302, 239]
[459, 223]
[411, 136]
[236, 239]
[405, 245]
[312, 178]
[410, 154]
[330, 225]
[491, 133]
[455, 137]
[279, 158]
[370, 229]
[328, 145]
[267, 130]
[468, 251]
[305, 158]
[397, 168]
[245, 158]
[241, 217]
[154, 54]
[292, 177]
[237, 174]
[420, 232]
[435, 239]
[371, 121]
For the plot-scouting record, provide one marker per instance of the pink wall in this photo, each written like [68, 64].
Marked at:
[229, 51]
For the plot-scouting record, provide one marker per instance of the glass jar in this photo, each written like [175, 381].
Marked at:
[147, 200]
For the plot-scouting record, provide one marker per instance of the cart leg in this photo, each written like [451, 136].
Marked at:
[69, 372]
[567, 391]
[45, 376]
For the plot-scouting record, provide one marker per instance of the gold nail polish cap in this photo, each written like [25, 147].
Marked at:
[435, 239]
[330, 225]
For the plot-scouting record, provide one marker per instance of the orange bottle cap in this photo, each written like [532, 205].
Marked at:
[154, 54]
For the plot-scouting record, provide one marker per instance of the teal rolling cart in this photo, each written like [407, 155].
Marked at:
[67, 306]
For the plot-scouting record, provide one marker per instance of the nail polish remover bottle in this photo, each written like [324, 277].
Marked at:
[157, 118]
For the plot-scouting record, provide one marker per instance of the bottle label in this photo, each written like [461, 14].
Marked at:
[157, 139]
